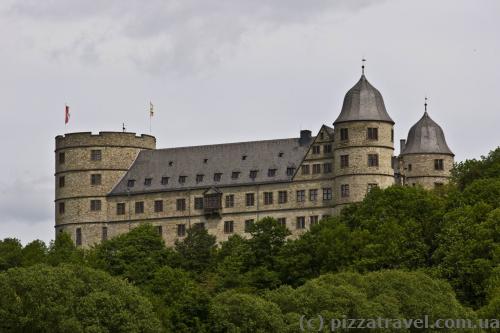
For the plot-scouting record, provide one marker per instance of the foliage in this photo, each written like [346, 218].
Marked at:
[464, 173]
[71, 299]
[197, 250]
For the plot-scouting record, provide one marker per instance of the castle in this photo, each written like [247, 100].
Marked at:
[110, 182]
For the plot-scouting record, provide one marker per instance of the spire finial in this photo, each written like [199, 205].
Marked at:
[363, 60]
[425, 104]
[123, 127]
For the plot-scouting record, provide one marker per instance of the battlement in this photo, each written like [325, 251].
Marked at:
[105, 139]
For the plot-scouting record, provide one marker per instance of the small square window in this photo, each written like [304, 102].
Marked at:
[313, 220]
[344, 134]
[148, 181]
[268, 198]
[327, 193]
[217, 176]
[120, 208]
[181, 230]
[198, 203]
[95, 205]
[158, 206]
[139, 207]
[199, 178]
[313, 195]
[164, 180]
[229, 200]
[305, 169]
[253, 174]
[228, 227]
[327, 149]
[131, 183]
[181, 204]
[95, 179]
[290, 171]
[327, 167]
[250, 199]
[344, 190]
[282, 221]
[182, 179]
[271, 172]
[95, 155]
[282, 197]
[235, 175]
[344, 161]
[316, 168]
[372, 160]
[244, 157]
[438, 164]
[301, 195]
[316, 150]
[301, 222]
[372, 133]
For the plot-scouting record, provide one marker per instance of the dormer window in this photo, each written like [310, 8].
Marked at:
[182, 179]
[199, 178]
[217, 176]
[164, 180]
[170, 163]
[205, 160]
[271, 172]
[280, 154]
[290, 171]
[148, 181]
[253, 174]
[235, 175]
[131, 183]
[244, 157]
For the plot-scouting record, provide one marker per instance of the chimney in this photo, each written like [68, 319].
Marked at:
[402, 145]
[305, 137]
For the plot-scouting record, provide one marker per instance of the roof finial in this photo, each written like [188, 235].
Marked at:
[425, 104]
[363, 60]
[123, 127]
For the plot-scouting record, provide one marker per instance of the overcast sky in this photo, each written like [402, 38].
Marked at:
[230, 70]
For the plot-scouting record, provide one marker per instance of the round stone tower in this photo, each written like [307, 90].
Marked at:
[426, 158]
[363, 144]
[87, 168]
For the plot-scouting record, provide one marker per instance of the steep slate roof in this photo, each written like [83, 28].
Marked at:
[363, 102]
[426, 136]
[220, 158]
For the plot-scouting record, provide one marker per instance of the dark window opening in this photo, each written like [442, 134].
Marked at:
[139, 207]
[95, 205]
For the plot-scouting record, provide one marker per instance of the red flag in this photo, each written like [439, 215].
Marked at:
[66, 115]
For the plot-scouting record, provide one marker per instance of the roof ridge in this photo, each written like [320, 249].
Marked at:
[227, 144]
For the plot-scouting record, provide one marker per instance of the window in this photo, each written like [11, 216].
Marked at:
[301, 222]
[229, 200]
[248, 225]
[62, 158]
[327, 193]
[250, 199]
[62, 181]
[280, 154]
[212, 201]
[148, 181]
[181, 204]
[282, 197]
[131, 183]
[327, 149]
[164, 180]
[199, 178]
[205, 160]
[139, 207]
[95, 205]
[198, 203]
[373, 160]
[62, 208]
[313, 220]
[344, 134]
[305, 169]
[372, 133]
[120, 208]
[78, 236]
[438, 165]
[371, 186]
[327, 167]
[235, 175]
[392, 135]
[344, 161]
[344, 190]
[313, 195]
[290, 171]
[95, 155]
[170, 163]
[199, 225]
[268, 198]
[316, 150]
[321, 136]
[244, 157]
[253, 174]
[104, 233]
[282, 221]
[316, 168]
[95, 179]
[217, 176]
[228, 227]
[301, 195]
[409, 167]
[271, 172]
[182, 179]
[159, 230]
[181, 230]
[158, 206]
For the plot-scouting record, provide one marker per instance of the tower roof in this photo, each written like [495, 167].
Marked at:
[426, 137]
[363, 102]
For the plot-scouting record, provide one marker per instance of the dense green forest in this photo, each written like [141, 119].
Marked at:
[401, 253]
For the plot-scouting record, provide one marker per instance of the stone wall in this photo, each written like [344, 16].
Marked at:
[423, 171]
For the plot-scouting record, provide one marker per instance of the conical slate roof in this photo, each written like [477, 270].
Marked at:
[426, 137]
[363, 102]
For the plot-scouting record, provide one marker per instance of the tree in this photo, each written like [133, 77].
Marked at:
[34, 253]
[464, 173]
[63, 250]
[267, 239]
[10, 253]
[135, 255]
[197, 250]
[235, 312]
[71, 299]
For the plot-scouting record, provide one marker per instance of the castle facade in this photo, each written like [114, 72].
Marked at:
[110, 182]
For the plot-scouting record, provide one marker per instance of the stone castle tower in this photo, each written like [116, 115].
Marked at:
[88, 166]
[110, 182]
